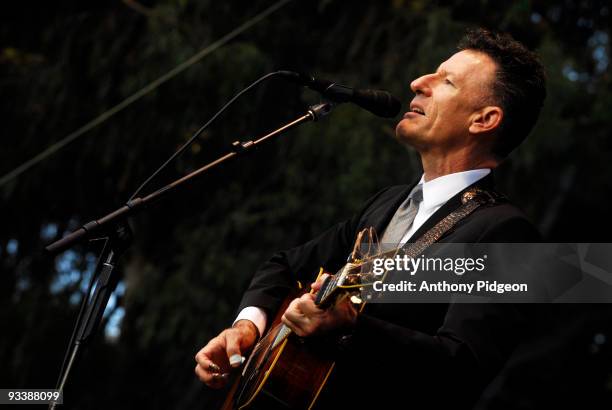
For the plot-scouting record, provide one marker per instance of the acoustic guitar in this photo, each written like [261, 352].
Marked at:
[285, 371]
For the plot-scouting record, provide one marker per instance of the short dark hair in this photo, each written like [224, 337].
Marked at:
[519, 86]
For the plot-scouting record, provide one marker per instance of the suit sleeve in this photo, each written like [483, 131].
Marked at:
[273, 280]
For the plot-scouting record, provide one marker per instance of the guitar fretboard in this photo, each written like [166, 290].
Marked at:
[331, 285]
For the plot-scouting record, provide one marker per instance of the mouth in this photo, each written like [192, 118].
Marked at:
[415, 110]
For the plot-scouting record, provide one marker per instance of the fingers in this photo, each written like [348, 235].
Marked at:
[303, 316]
[222, 353]
[214, 351]
[294, 324]
[293, 317]
[211, 379]
[293, 313]
[232, 348]
[307, 306]
[212, 365]
[317, 285]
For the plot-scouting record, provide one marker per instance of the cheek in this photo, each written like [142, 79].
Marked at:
[448, 113]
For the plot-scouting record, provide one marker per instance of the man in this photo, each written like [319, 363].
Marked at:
[465, 119]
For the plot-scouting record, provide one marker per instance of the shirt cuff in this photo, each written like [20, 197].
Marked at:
[256, 315]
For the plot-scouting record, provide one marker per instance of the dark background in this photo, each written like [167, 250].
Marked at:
[63, 63]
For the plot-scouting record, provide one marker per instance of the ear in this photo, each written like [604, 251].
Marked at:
[486, 119]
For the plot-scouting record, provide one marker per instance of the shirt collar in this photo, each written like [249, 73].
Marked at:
[437, 191]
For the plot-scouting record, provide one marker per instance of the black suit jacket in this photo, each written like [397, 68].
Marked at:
[438, 354]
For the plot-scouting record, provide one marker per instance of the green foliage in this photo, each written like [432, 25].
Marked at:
[194, 254]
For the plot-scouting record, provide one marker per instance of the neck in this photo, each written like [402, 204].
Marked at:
[436, 165]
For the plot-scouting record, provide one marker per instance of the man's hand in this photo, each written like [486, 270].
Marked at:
[306, 319]
[216, 359]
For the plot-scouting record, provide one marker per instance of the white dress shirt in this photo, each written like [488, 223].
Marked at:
[435, 194]
[438, 191]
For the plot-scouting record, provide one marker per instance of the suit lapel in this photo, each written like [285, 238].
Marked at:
[453, 203]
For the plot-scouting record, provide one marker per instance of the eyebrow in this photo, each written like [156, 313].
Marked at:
[443, 72]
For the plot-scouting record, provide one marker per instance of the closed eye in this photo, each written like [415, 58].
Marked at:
[447, 81]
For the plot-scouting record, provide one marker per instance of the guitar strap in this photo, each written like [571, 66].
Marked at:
[471, 200]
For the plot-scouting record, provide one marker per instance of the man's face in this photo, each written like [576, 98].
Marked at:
[446, 102]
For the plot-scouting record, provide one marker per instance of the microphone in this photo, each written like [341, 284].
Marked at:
[378, 102]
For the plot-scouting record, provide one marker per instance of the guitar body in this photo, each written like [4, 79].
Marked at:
[284, 371]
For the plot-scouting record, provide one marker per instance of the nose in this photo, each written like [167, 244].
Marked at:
[422, 85]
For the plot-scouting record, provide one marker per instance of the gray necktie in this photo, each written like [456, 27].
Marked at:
[403, 218]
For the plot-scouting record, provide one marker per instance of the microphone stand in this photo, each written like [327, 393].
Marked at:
[118, 235]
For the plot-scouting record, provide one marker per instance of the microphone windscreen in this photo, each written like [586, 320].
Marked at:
[378, 102]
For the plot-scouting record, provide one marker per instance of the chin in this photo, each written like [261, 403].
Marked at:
[405, 134]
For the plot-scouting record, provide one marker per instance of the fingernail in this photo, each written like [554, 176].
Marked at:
[236, 360]
[214, 368]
